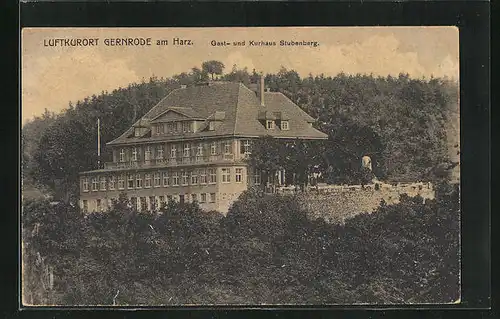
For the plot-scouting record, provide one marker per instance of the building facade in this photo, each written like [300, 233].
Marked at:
[192, 146]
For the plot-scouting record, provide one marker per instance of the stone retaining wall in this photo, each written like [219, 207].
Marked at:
[335, 203]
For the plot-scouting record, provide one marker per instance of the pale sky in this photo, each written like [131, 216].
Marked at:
[53, 76]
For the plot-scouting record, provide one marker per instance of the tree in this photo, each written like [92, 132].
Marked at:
[213, 67]
[267, 157]
[238, 76]
[198, 75]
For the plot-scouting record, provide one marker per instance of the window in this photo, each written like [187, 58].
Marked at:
[162, 200]
[147, 153]
[98, 204]
[226, 175]
[169, 198]
[102, 183]
[199, 150]
[152, 203]
[194, 177]
[159, 152]
[203, 176]
[181, 199]
[239, 175]
[133, 202]
[95, 184]
[138, 181]
[111, 183]
[166, 180]
[212, 197]
[186, 150]
[85, 206]
[245, 147]
[157, 180]
[157, 127]
[185, 178]
[213, 148]
[130, 184]
[227, 148]
[122, 155]
[169, 127]
[134, 154]
[85, 184]
[144, 205]
[147, 180]
[203, 198]
[257, 177]
[270, 124]
[213, 175]
[194, 198]
[284, 125]
[121, 182]
[211, 126]
[175, 179]
[173, 151]
[186, 127]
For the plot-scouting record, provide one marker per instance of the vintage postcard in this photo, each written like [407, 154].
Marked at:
[240, 166]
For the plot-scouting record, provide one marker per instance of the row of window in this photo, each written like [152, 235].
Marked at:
[152, 202]
[186, 150]
[174, 127]
[165, 179]
[283, 125]
[189, 127]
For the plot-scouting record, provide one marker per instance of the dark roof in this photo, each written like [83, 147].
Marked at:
[235, 105]
[186, 111]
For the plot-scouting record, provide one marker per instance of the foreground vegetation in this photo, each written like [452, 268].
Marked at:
[265, 250]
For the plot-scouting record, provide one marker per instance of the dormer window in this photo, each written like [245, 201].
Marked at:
[158, 129]
[122, 155]
[211, 126]
[270, 124]
[284, 125]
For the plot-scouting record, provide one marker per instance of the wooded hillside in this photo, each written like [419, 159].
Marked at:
[400, 122]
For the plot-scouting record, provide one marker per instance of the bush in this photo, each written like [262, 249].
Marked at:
[264, 251]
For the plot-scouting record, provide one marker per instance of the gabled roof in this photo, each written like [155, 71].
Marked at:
[234, 105]
[187, 112]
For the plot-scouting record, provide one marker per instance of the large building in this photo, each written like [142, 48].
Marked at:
[192, 146]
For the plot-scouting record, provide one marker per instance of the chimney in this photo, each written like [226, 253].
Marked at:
[262, 90]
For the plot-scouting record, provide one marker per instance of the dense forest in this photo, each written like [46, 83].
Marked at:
[265, 250]
[400, 122]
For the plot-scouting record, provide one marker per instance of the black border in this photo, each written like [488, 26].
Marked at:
[472, 18]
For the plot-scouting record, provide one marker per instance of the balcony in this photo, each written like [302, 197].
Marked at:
[173, 162]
